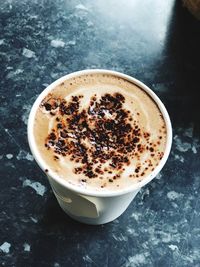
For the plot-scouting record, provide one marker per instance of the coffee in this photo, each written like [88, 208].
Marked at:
[100, 132]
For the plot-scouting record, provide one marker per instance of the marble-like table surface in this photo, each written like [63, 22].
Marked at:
[155, 41]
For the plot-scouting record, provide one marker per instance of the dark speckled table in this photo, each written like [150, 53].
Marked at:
[155, 41]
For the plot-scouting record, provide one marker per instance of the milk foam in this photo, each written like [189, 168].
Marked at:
[142, 110]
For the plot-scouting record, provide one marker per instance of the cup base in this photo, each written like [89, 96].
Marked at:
[89, 221]
[104, 216]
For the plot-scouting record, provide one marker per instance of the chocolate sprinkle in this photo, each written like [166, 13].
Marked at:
[92, 136]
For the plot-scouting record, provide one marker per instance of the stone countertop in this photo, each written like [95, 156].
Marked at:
[155, 41]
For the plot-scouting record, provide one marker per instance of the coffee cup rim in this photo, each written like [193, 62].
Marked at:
[90, 192]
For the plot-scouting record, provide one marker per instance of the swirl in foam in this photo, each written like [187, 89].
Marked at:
[100, 131]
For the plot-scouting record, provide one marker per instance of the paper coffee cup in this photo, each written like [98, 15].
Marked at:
[87, 205]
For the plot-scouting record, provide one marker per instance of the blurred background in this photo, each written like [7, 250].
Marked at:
[157, 42]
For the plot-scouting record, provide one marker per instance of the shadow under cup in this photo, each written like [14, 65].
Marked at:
[86, 205]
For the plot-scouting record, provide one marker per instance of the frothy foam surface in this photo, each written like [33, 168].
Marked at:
[99, 131]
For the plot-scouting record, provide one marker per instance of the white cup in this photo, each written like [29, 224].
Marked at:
[87, 205]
